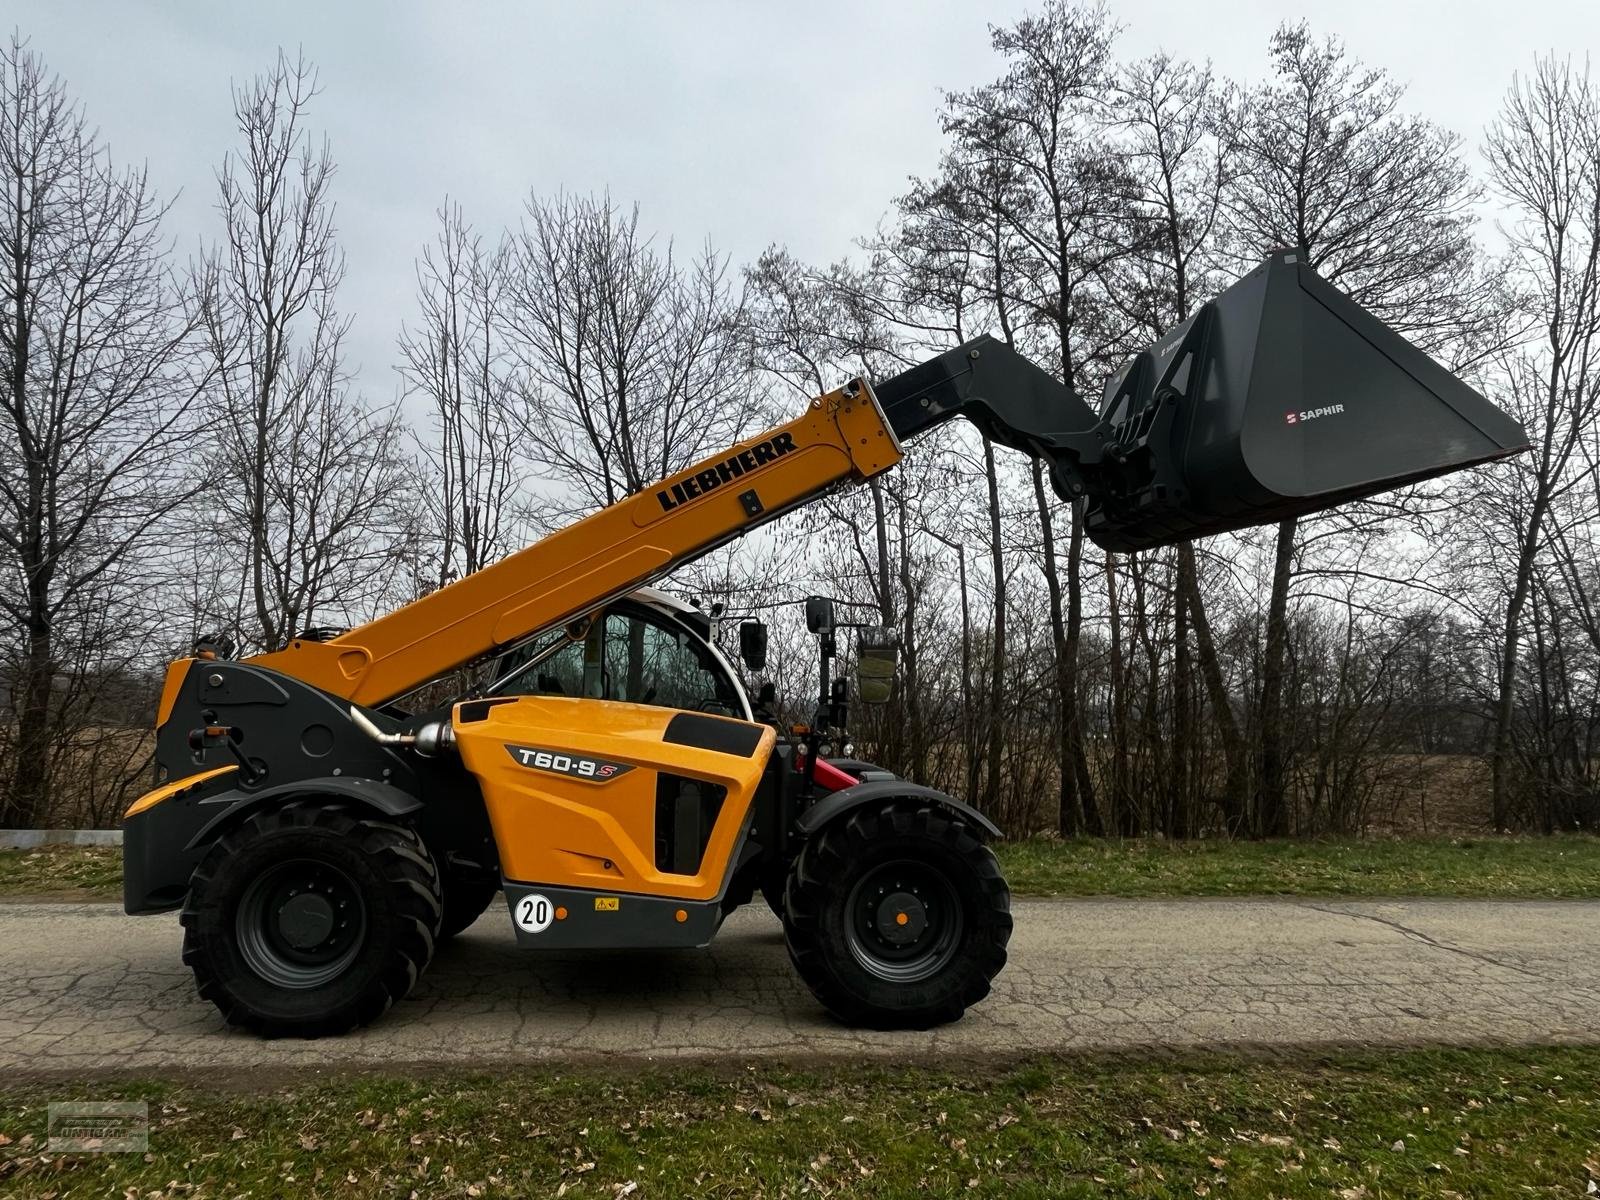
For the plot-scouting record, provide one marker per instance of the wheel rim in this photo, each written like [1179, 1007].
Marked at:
[300, 924]
[903, 921]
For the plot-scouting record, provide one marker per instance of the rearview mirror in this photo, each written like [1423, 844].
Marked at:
[877, 654]
[819, 614]
[753, 644]
[1281, 397]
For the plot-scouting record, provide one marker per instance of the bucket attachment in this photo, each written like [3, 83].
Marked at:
[1280, 397]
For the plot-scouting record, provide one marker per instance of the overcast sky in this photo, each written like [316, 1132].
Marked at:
[750, 123]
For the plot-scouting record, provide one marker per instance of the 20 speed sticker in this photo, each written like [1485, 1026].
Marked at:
[564, 762]
[533, 914]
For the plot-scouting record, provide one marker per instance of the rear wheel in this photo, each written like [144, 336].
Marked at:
[310, 920]
[897, 917]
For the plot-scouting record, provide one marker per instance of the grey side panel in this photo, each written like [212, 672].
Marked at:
[611, 920]
[369, 793]
[839, 803]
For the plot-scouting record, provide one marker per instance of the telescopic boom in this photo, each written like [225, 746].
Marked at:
[1278, 398]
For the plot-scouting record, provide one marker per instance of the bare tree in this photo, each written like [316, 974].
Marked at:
[630, 361]
[1169, 112]
[1544, 159]
[1032, 145]
[813, 330]
[629, 365]
[940, 269]
[317, 478]
[96, 352]
[456, 357]
[1380, 202]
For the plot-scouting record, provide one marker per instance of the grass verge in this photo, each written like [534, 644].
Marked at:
[1508, 868]
[62, 873]
[1420, 1123]
[1567, 866]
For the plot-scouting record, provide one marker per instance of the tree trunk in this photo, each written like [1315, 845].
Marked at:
[1232, 801]
[1069, 803]
[1180, 817]
[272, 636]
[912, 692]
[1123, 819]
[1272, 807]
[1150, 767]
[29, 786]
[880, 522]
[28, 802]
[633, 686]
[997, 671]
[1505, 701]
[1072, 708]
[969, 724]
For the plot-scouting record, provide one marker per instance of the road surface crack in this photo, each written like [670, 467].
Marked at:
[1425, 939]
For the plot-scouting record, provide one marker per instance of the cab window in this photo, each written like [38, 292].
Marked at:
[631, 655]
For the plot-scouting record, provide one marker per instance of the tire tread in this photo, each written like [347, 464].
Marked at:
[818, 876]
[410, 882]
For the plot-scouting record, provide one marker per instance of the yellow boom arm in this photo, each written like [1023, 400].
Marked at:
[1203, 432]
[841, 437]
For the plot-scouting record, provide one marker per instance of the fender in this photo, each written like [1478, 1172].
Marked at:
[369, 793]
[838, 803]
[864, 771]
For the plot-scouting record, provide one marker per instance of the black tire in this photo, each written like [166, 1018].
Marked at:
[773, 886]
[897, 916]
[310, 920]
[466, 897]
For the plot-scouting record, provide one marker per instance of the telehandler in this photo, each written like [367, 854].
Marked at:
[613, 783]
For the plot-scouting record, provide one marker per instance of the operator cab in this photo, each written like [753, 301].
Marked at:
[647, 648]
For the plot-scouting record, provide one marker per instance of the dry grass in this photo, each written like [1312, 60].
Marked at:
[1487, 1123]
[1491, 867]
[1566, 866]
[62, 873]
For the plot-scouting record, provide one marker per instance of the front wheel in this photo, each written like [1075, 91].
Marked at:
[310, 920]
[897, 917]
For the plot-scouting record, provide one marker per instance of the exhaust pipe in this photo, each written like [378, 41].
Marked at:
[429, 740]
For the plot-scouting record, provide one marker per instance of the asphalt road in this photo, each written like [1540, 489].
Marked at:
[84, 988]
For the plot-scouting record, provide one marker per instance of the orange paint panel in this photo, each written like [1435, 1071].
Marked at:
[177, 672]
[176, 788]
[553, 826]
[872, 444]
[600, 575]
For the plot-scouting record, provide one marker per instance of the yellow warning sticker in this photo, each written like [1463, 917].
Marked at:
[607, 904]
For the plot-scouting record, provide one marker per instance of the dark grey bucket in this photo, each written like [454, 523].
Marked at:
[1280, 397]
